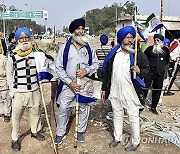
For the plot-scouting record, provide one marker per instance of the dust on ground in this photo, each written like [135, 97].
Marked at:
[98, 135]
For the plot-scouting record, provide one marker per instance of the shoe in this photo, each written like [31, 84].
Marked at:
[114, 143]
[154, 111]
[59, 139]
[168, 93]
[80, 137]
[132, 147]
[6, 118]
[15, 146]
[38, 136]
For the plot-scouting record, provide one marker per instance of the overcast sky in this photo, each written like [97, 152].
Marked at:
[62, 12]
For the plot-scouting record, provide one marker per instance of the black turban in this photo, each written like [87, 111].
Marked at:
[177, 34]
[159, 36]
[75, 24]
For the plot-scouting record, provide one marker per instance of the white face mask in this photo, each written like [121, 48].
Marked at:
[81, 39]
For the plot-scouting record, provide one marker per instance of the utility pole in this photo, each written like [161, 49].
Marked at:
[161, 12]
[116, 17]
[168, 8]
[4, 27]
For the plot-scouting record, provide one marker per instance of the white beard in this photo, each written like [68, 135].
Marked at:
[128, 48]
[80, 39]
[157, 49]
[24, 46]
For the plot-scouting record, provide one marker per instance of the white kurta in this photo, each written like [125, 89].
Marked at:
[121, 84]
[123, 95]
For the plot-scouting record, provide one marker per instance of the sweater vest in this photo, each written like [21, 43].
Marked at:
[25, 73]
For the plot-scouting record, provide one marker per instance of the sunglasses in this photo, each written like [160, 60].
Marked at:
[157, 40]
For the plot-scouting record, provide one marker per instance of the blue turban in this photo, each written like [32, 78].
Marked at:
[177, 34]
[21, 30]
[123, 32]
[104, 39]
[159, 36]
[75, 24]
[166, 41]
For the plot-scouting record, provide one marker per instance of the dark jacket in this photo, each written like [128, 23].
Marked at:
[157, 62]
[143, 64]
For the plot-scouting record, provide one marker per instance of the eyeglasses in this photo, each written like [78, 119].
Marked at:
[24, 38]
[157, 40]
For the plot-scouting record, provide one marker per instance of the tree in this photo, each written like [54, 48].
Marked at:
[104, 20]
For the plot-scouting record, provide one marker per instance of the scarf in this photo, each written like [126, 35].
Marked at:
[65, 60]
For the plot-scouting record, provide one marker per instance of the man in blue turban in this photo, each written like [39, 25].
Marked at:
[121, 89]
[166, 42]
[104, 39]
[102, 52]
[24, 86]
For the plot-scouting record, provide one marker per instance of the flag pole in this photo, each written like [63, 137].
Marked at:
[47, 119]
[135, 56]
[77, 112]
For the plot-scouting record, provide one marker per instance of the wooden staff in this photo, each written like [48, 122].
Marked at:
[135, 55]
[77, 112]
[47, 119]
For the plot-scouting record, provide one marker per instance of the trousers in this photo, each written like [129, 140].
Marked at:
[118, 113]
[5, 99]
[63, 115]
[21, 101]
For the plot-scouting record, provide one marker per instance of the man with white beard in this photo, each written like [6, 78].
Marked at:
[23, 84]
[121, 89]
[75, 51]
[158, 57]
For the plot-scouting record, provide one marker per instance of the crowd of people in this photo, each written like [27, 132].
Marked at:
[125, 80]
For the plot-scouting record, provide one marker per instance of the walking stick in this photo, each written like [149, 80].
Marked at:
[135, 55]
[47, 119]
[77, 112]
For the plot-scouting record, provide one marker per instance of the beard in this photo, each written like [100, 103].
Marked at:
[24, 46]
[81, 39]
[128, 48]
[157, 49]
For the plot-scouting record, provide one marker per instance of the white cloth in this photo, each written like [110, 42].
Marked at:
[175, 54]
[123, 95]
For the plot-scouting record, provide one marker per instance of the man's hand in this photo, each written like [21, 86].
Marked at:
[103, 94]
[81, 72]
[136, 69]
[74, 86]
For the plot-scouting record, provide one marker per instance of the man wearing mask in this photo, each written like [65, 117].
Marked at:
[23, 83]
[75, 51]
[121, 89]
[158, 57]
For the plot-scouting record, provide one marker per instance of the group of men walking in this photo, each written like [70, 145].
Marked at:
[123, 81]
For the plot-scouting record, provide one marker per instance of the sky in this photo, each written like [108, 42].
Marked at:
[62, 12]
